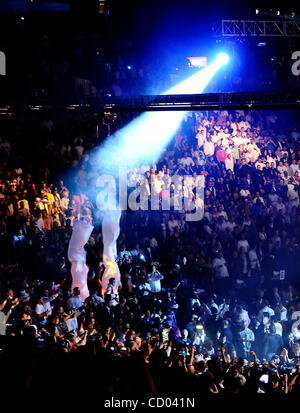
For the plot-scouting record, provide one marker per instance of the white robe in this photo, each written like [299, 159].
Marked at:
[82, 230]
[110, 231]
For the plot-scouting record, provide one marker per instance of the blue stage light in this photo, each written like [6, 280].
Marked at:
[222, 59]
[144, 139]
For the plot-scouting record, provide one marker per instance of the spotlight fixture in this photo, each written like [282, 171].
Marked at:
[256, 11]
[222, 59]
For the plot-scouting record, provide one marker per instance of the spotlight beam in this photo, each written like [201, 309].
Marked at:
[141, 141]
[145, 138]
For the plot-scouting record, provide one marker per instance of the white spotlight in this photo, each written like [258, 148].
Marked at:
[222, 59]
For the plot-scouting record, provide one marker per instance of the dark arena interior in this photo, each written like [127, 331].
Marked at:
[149, 202]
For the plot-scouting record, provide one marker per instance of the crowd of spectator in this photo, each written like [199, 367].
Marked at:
[209, 306]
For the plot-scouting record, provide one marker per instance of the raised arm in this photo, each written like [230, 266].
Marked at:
[253, 354]
[292, 382]
[190, 365]
[10, 311]
[223, 352]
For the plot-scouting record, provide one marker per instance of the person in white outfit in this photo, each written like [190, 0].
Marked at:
[154, 279]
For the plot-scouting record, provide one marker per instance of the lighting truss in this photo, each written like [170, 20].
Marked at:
[265, 28]
[207, 101]
[191, 102]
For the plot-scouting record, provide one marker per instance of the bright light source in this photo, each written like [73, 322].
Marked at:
[22, 18]
[222, 59]
[256, 11]
[129, 67]
[278, 13]
[197, 82]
